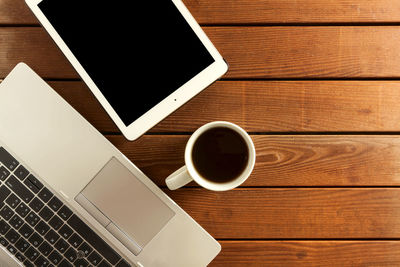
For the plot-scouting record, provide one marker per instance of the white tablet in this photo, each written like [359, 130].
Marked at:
[142, 59]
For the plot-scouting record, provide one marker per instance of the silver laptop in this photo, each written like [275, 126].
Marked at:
[7, 259]
[68, 197]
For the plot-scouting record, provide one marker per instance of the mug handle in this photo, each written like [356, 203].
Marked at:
[178, 178]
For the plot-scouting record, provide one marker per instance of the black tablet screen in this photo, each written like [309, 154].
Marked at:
[136, 54]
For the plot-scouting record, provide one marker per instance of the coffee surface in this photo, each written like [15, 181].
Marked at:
[220, 155]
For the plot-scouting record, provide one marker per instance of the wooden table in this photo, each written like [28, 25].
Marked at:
[317, 85]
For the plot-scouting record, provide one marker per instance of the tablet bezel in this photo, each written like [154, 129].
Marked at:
[169, 104]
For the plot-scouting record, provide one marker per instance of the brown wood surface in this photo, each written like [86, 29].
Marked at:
[308, 253]
[286, 160]
[269, 106]
[293, 11]
[316, 83]
[294, 213]
[257, 11]
[252, 52]
[15, 12]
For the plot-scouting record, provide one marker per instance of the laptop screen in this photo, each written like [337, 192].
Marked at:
[137, 54]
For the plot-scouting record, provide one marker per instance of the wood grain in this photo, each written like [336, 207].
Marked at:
[269, 106]
[309, 52]
[304, 213]
[252, 52]
[285, 160]
[256, 11]
[293, 11]
[16, 12]
[293, 106]
[33, 46]
[308, 253]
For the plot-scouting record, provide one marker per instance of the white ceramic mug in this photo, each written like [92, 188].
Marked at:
[188, 173]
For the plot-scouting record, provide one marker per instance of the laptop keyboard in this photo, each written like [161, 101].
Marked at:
[39, 230]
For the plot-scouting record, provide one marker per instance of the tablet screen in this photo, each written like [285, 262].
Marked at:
[136, 53]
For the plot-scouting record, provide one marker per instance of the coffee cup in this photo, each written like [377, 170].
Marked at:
[219, 156]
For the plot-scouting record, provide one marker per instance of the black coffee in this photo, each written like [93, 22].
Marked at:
[220, 155]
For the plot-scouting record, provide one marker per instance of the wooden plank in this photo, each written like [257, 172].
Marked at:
[308, 253]
[293, 11]
[309, 52]
[286, 160]
[252, 52]
[303, 213]
[269, 106]
[16, 12]
[256, 12]
[293, 106]
[33, 46]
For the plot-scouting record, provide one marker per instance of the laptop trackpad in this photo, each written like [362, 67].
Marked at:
[127, 203]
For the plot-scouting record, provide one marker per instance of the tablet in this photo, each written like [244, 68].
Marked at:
[142, 60]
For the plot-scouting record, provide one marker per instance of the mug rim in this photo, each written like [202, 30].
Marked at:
[213, 185]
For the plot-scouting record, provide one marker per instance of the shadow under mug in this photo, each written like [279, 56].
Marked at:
[188, 173]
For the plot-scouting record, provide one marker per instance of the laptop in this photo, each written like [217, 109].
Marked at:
[7, 259]
[68, 197]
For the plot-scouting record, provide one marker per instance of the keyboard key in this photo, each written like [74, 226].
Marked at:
[4, 227]
[46, 214]
[4, 173]
[3, 242]
[42, 227]
[71, 255]
[35, 181]
[19, 189]
[16, 221]
[22, 210]
[55, 204]
[32, 218]
[21, 172]
[20, 257]
[12, 236]
[42, 261]
[56, 222]
[81, 263]
[36, 204]
[75, 240]
[93, 239]
[13, 201]
[22, 245]
[4, 192]
[61, 245]
[85, 248]
[94, 258]
[35, 239]
[31, 186]
[65, 231]
[104, 264]
[27, 263]
[6, 212]
[45, 248]
[45, 194]
[31, 254]
[9, 161]
[12, 249]
[55, 258]
[65, 263]
[52, 237]
[25, 230]
[64, 212]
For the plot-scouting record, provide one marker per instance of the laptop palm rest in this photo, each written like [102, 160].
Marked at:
[124, 206]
